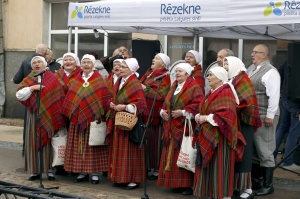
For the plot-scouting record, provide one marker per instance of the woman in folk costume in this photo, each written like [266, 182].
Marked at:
[126, 159]
[159, 66]
[114, 75]
[69, 70]
[217, 137]
[51, 100]
[194, 58]
[181, 101]
[249, 120]
[87, 100]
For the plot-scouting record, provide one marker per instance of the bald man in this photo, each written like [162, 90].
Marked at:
[266, 82]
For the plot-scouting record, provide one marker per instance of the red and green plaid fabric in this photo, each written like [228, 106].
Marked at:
[130, 93]
[198, 76]
[221, 103]
[64, 79]
[110, 83]
[248, 111]
[51, 100]
[151, 91]
[187, 99]
[83, 105]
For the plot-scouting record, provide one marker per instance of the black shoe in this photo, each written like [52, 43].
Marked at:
[177, 190]
[85, 178]
[95, 181]
[34, 177]
[51, 178]
[115, 184]
[152, 177]
[187, 192]
[132, 187]
[236, 192]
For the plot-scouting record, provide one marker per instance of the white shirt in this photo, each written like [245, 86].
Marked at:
[115, 78]
[23, 94]
[271, 80]
[85, 78]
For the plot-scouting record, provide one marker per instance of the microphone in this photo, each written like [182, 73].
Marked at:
[41, 72]
[161, 76]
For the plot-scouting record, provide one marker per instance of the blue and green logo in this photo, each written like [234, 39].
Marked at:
[77, 12]
[273, 7]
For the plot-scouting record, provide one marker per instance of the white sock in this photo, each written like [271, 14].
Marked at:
[132, 184]
[95, 177]
[82, 175]
[227, 197]
[246, 193]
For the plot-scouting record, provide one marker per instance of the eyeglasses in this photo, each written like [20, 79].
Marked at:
[256, 52]
[86, 62]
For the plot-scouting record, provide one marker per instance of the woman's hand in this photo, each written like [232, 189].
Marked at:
[143, 86]
[177, 113]
[165, 116]
[119, 107]
[36, 87]
[197, 118]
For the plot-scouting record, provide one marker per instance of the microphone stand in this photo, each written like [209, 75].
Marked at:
[145, 195]
[38, 122]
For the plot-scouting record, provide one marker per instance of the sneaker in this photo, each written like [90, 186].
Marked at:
[292, 167]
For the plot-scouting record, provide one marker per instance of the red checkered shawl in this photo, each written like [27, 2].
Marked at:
[110, 83]
[130, 93]
[83, 105]
[187, 99]
[64, 79]
[248, 111]
[222, 104]
[151, 91]
[51, 100]
[198, 76]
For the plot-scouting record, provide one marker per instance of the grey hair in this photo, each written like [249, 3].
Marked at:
[229, 52]
[41, 49]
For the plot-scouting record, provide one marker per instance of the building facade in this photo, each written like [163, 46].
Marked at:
[24, 24]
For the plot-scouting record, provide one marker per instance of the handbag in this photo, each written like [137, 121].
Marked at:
[59, 143]
[187, 155]
[137, 133]
[97, 133]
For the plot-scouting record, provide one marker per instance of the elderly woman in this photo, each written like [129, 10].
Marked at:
[181, 101]
[69, 70]
[248, 118]
[152, 89]
[39, 132]
[114, 75]
[87, 100]
[217, 137]
[194, 58]
[126, 159]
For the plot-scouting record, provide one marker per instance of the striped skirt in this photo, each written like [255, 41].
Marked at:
[153, 146]
[126, 160]
[216, 179]
[82, 158]
[176, 177]
[32, 158]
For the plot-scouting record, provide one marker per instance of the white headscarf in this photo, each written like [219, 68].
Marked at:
[118, 60]
[90, 57]
[165, 58]
[41, 58]
[222, 75]
[186, 67]
[133, 65]
[74, 57]
[196, 55]
[235, 66]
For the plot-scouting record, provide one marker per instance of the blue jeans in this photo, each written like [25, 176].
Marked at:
[289, 124]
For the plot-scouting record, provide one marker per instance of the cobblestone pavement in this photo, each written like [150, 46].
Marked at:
[287, 184]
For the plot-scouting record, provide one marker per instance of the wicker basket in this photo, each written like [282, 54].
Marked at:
[125, 120]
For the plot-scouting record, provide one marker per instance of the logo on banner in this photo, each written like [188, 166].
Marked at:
[290, 8]
[77, 12]
[273, 8]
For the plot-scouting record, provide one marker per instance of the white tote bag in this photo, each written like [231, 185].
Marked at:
[97, 133]
[59, 143]
[187, 155]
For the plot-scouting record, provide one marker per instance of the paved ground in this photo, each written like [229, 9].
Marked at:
[287, 184]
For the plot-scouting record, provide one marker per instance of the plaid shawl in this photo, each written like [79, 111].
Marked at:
[248, 111]
[198, 76]
[85, 104]
[64, 79]
[151, 91]
[130, 93]
[51, 101]
[222, 104]
[110, 83]
[187, 99]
